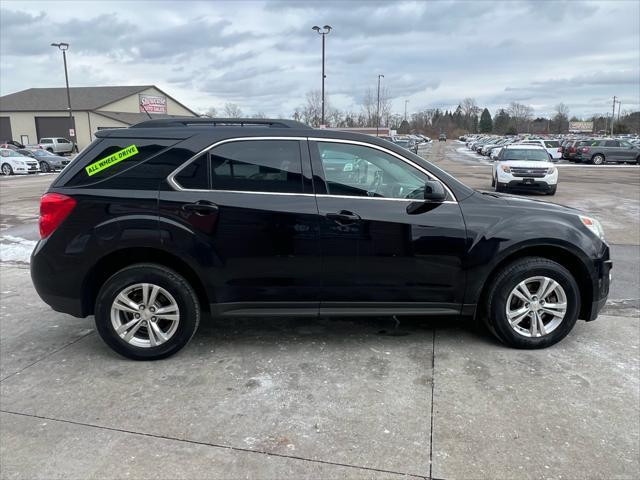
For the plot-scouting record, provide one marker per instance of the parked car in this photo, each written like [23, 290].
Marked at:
[524, 166]
[408, 144]
[600, 151]
[442, 137]
[57, 145]
[48, 161]
[13, 163]
[12, 144]
[240, 221]
[551, 146]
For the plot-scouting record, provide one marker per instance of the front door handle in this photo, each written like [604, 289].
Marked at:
[343, 217]
[201, 207]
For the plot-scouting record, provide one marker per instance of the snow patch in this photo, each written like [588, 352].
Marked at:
[16, 249]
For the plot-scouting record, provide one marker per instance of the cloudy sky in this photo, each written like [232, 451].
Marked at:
[265, 57]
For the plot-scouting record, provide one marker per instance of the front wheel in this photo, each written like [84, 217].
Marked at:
[44, 167]
[552, 190]
[6, 169]
[147, 312]
[532, 303]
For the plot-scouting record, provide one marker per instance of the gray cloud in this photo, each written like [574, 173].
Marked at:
[264, 55]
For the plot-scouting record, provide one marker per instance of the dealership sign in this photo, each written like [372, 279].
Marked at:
[585, 127]
[153, 104]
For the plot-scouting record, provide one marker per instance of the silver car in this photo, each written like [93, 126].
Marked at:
[49, 162]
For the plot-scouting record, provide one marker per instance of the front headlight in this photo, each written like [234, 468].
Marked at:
[505, 168]
[593, 225]
[551, 171]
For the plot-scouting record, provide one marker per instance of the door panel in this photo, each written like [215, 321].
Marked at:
[255, 246]
[377, 247]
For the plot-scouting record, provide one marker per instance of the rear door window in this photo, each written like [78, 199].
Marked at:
[611, 143]
[257, 166]
[552, 144]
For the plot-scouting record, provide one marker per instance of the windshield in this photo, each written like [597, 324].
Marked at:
[525, 154]
[9, 153]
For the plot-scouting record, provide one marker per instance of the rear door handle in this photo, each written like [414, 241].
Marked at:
[343, 217]
[201, 207]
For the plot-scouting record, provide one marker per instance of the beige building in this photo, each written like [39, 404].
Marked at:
[35, 113]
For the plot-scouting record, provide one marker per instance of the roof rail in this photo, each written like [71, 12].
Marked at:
[215, 122]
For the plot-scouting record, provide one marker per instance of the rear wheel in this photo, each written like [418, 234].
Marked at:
[6, 169]
[146, 312]
[50, 150]
[532, 303]
[597, 159]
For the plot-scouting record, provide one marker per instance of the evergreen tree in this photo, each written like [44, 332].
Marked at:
[486, 123]
[501, 122]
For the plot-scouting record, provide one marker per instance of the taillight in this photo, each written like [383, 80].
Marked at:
[572, 150]
[54, 208]
[585, 149]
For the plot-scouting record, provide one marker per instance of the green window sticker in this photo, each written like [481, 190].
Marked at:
[111, 160]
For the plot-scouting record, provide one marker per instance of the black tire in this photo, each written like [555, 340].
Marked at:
[504, 282]
[500, 187]
[493, 181]
[552, 190]
[50, 150]
[44, 167]
[6, 169]
[597, 159]
[175, 284]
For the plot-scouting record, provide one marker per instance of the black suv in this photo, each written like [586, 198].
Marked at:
[154, 225]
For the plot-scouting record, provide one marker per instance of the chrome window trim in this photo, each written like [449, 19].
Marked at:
[172, 182]
[176, 186]
[392, 153]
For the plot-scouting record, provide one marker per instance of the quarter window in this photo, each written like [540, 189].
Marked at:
[195, 175]
[360, 171]
[257, 166]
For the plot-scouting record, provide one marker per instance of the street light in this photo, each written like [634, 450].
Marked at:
[405, 110]
[324, 31]
[64, 47]
[378, 109]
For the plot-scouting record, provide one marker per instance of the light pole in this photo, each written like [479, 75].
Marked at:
[324, 31]
[64, 47]
[378, 109]
[613, 114]
[405, 110]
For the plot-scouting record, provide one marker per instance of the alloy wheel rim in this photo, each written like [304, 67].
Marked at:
[145, 315]
[536, 306]
[6, 170]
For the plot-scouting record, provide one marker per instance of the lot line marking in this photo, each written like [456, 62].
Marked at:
[48, 355]
[433, 381]
[214, 445]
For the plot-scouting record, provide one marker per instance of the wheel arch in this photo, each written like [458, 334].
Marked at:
[119, 259]
[565, 257]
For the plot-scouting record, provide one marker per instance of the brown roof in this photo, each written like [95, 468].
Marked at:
[55, 99]
[133, 118]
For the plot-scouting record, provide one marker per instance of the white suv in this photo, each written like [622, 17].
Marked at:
[551, 146]
[524, 167]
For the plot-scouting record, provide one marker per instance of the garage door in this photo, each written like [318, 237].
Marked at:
[52, 127]
[5, 129]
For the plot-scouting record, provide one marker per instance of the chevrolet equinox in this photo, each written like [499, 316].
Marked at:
[154, 225]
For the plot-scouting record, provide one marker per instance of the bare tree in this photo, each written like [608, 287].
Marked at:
[311, 111]
[561, 118]
[211, 112]
[520, 114]
[370, 106]
[232, 110]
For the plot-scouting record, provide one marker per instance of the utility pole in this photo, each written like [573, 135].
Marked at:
[613, 114]
[325, 31]
[405, 110]
[378, 109]
[619, 106]
[63, 47]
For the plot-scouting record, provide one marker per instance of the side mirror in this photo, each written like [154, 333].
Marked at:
[434, 191]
